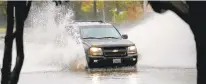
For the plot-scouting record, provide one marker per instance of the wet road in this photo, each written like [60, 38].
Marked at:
[143, 76]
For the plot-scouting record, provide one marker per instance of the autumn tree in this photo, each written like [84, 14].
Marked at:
[119, 10]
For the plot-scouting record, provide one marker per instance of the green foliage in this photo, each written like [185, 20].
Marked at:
[118, 17]
[4, 11]
[3, 7]
[100, 4]
[120, 11]
[86, 6]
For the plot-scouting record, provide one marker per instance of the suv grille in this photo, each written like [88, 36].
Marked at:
[114, 51]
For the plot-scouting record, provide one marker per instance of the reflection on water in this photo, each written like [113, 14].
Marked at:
[111, 77]
[96, 78]
[133, 79]
[106, 70]
[118, 76]
[98, 75]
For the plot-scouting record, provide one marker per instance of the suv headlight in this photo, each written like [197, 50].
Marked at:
[95, 51]
[132, 50]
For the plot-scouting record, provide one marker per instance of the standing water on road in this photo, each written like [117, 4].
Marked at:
[162, 41]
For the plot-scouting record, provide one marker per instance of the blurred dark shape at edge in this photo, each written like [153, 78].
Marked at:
[193, 13]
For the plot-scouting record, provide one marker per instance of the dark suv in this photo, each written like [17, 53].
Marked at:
[105, 46]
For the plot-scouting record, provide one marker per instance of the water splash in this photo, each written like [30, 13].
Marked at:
[50, 42]
[164, 40]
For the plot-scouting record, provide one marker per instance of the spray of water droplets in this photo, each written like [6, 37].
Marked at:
[51, 43]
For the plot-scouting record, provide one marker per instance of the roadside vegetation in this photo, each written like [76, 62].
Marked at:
[115, 12]
[2, 28]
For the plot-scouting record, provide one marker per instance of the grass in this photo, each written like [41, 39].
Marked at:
[2, 28]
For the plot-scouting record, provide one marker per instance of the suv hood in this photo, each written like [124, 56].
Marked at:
[107, 42]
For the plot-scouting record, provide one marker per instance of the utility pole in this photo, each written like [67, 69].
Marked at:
[95, 9]
[104, 12]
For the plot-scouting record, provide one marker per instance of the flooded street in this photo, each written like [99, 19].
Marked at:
[144, 76]
[164, 43]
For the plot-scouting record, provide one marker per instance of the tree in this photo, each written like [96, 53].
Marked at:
[191, 13]
[86, 6]
[119, 11]
[126, 10]
[21, 13]
[91, 8]
[95, 8]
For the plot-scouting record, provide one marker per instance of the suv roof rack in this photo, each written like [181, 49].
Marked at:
[90, 21]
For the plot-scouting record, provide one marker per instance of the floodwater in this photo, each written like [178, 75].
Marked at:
[165, 45]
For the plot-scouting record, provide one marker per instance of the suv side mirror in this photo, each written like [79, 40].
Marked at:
[125, 36]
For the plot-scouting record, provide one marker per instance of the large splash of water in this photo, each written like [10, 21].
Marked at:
[164, 40]
[50, 43]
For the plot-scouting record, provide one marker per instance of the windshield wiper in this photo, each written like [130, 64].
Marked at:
[91, 38]
[111, 37]
[99, 37]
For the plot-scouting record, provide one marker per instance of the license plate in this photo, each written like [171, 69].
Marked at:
[116, 60]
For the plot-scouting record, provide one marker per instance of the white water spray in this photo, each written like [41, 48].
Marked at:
[164, 40]
[50, 44]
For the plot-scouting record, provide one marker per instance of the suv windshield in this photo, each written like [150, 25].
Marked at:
[99, 31]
